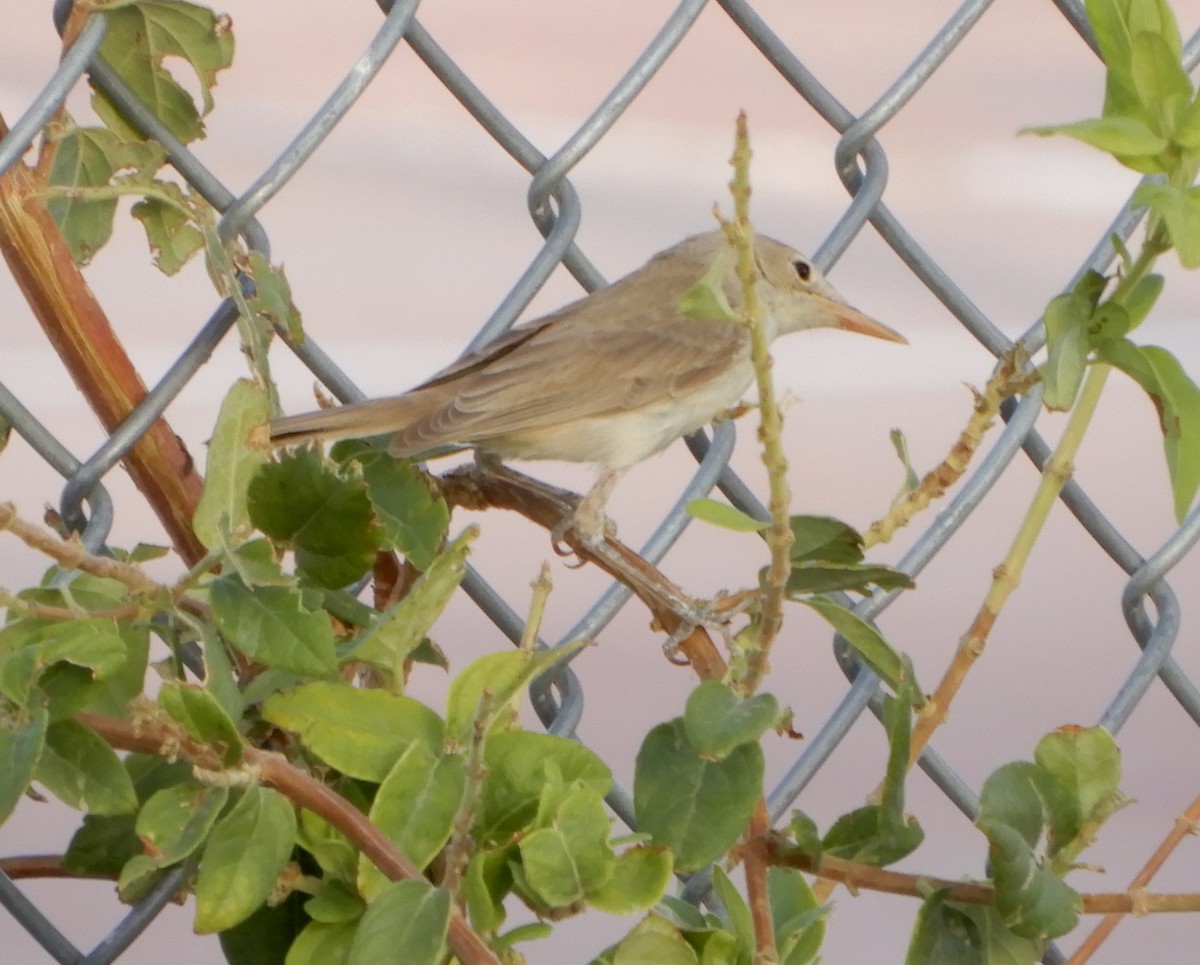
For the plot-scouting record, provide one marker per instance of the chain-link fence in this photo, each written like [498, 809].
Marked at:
[1062, 660]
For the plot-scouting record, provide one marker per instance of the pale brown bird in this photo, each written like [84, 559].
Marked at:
[610, 379]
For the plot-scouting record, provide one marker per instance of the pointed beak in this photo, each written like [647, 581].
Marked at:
[852, 320]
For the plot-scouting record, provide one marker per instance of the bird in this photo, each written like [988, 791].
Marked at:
[610, 379]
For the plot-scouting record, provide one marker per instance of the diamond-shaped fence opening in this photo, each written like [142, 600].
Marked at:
[885, 145]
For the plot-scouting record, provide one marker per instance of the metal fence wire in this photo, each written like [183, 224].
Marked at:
[1152, 608]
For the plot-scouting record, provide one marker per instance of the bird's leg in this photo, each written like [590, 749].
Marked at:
[588, 519]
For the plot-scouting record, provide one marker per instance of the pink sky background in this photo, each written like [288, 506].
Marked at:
[409, 225]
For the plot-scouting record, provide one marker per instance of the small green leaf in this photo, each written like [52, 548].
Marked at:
[1179, 209]
[362, 733]
[694, 806]
[245, 854]
[396, 633]
[1177, 399]
[724, 515]
[499, 676]
[170, 229]
[655, 940]
[569, 855]
[1067, 318]
[414, 516]
[517, 763]
[1158, 76]
[1022, 796]
[1086, 762]
[945, 935]
[21, 745]
[271, 625]
[141, 35]
[1032, 902]
[175, 822]
[1124, 136]
[862, 578]
[83, 772]
[198, 711]
[717, 720]
[866, 641]
[870, 835]
[706, 300]
[798, 917]
[639, 878]
[323, 944]
[824, 539]
[234, 457]
[1141, 300]
[328, 519]
[407, 922]
[272, 302]
[415, 807]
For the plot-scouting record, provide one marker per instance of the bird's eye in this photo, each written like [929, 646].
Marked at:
[803, 269]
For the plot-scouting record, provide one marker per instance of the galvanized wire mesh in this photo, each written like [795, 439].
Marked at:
[1153, 610]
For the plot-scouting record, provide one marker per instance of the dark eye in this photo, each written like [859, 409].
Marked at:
[803, 269]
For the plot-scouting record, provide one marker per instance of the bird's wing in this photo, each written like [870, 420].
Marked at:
[555, 374]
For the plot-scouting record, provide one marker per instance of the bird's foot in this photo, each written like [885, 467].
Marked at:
[592, 531]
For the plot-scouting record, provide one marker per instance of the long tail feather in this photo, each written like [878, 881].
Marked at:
[342, 422]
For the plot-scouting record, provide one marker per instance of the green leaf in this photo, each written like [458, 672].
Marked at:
[639, 878]
[235, 455]
[271, 625]
[103, 844]
[37, 647]
[397, 632]
[272, 302]
[361, 733]
[517, 763]
[141, 35]
[1158, 76]
[1179, 209]
[706, 300]
[1141, 299]
[328, 519]
[817, 577]
[334, 902]
[654, 941]
[170, 229]
[718, 721]
[488, 879]
[870, 835]
[724, 515]
[1116, 135]
[1022, 796]
[413, 514]
[266, 937]
[82, 771]
[945, 935]
[798, 917]
[90, 157]
[865, 640]
[415, 807]
[1086, 762]
[242, 861]
[824, 539]
[407, 922]
[176, 821]
[498, 677]
[570, 856]
[1031, 901]
[322, 944]
[737, 912]
[695, 807]
[202, 716]
[1067, 319]
[21, 744]
[1177, 399]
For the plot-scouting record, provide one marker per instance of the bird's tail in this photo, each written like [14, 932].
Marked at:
[372, 418]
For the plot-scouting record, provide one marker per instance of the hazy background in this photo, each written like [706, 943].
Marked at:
[408, 227]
